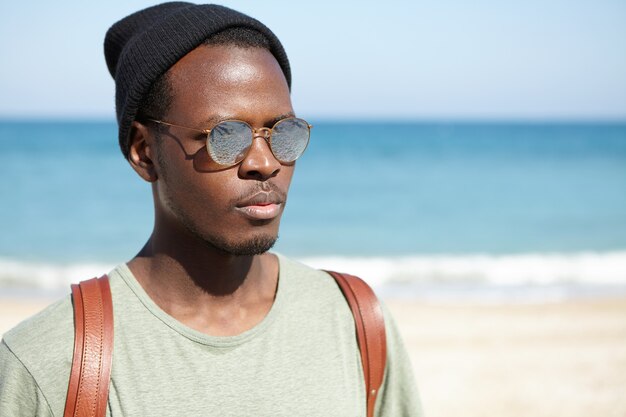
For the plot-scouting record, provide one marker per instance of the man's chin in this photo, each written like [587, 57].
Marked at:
[245, 243]
[256, 245]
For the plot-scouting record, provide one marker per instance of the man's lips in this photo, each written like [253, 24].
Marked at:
[261, 206]
[264, 212]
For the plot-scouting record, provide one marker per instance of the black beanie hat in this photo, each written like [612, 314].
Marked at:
[144, 45]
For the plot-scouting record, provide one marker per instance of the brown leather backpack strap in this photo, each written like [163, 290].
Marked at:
[370, 330]
[88, 388]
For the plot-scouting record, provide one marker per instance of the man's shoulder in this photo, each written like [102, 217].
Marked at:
[317, 288]
[315, 293]
[308, 281]
[44, 343]
[44, 328]
[292, 266]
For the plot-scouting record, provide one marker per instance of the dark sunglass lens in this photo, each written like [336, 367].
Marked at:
[229, 142]
[290, 138]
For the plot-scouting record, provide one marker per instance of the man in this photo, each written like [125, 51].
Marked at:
[207, 322]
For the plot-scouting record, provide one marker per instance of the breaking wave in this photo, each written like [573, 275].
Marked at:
[484, 276]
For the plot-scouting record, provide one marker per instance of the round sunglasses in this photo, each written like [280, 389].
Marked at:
[228, 142]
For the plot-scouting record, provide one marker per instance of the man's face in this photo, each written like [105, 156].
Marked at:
[226, 208]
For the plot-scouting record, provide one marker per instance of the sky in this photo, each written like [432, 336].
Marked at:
[447, 59]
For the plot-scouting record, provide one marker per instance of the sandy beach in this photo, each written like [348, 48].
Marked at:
[552, 359]
[556, 359]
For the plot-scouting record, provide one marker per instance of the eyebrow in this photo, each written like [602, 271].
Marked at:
[213, 120]
[275, 120]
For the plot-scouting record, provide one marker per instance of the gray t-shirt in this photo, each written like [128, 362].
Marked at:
[302, 359]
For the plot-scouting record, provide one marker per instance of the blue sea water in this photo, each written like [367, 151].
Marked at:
[362, 189]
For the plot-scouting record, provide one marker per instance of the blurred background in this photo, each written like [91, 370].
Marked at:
[467, 159]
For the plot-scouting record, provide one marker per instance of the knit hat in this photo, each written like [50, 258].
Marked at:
[144, 45]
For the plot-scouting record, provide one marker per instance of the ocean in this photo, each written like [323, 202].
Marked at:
[419, 209]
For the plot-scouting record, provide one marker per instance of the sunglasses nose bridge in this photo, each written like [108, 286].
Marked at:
[263, 132]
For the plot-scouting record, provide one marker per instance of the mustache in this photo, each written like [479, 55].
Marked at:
[261, 188]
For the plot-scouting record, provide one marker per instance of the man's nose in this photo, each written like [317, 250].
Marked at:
[259, 163]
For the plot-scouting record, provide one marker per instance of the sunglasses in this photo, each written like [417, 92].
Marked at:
[229, 141]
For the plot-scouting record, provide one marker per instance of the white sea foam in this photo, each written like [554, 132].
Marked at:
[517, 269]
[491, 275]
[46, 276]
[487, 277]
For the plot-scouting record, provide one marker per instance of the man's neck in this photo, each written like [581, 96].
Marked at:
[205, 288]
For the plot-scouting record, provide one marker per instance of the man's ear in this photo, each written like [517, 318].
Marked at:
[141, 153]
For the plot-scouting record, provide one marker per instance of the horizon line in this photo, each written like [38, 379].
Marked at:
[354, 119]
